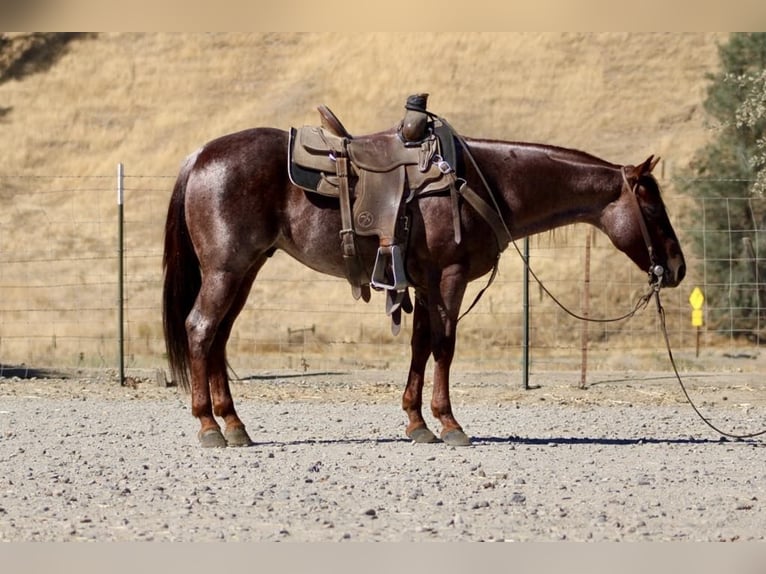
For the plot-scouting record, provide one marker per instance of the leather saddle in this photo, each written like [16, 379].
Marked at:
[374, 177]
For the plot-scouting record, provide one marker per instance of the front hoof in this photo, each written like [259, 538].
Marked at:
[238, 436]
[422, 435]
[212, 438]
[456, 437]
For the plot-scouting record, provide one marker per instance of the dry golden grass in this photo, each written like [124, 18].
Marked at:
[147, 100]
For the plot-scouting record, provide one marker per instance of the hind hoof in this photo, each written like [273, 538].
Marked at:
[212, 438]
[238, 437]
[456, 437]
[422, 435]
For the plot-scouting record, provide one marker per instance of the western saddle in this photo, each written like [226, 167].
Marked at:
[370, 176]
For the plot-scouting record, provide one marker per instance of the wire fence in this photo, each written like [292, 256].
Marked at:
[59, 284]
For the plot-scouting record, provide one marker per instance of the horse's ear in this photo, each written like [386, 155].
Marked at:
[647, 167]
[635, 172]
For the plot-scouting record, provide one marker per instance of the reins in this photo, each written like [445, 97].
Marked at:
[656, 273]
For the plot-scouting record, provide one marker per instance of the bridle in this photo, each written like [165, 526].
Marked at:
[656, 271]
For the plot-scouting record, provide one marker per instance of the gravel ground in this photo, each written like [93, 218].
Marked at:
[627, 459]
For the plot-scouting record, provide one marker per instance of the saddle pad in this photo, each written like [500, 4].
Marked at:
[446, 144]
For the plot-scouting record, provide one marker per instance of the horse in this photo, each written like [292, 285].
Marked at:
[233, 206]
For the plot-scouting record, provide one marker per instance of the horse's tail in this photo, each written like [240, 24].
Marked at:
[182, 280]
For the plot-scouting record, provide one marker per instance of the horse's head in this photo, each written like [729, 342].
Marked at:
[638, 224]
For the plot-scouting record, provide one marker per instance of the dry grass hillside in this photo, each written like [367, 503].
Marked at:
[147, 100]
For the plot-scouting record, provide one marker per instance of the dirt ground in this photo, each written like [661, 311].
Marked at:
[743, 391]
[744, 388]
[86, 459]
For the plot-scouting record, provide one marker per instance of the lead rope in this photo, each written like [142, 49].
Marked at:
[655, 275]
[661, 312]
[642, 302]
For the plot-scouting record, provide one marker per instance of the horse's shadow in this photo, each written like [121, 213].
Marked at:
[23, 371]
[602, 441]
[280, 376]
[512, 440]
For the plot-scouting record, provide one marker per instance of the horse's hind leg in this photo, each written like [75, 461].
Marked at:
[208, 327]
[220, 392]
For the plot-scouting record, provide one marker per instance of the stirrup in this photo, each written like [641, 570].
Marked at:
[388, 272]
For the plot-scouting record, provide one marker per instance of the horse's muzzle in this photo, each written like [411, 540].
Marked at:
[675, 273]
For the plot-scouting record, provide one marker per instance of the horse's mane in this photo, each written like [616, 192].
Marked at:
[555, 153]
[574, 157]
[570, 156]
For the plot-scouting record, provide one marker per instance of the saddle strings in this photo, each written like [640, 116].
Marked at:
[641, 303]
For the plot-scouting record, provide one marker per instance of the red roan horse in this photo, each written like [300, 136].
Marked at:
[233, 206]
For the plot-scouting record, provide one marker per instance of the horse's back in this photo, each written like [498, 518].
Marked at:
[233, 164]
[237, 152]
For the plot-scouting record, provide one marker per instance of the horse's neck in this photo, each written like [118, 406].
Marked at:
[544, 187]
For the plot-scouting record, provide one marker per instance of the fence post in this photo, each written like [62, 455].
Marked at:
[525, 331]
[585, 311]
[120, 272]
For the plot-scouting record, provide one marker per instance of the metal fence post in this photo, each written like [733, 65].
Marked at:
[525, 304]
[585, 310]
[120, 271]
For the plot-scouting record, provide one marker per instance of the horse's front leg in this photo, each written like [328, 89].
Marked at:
[444, 310]
[412, 400]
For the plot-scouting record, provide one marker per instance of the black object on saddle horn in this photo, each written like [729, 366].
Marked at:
[415, 122]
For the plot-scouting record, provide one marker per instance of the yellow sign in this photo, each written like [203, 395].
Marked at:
[696, 317]
[696, 299]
